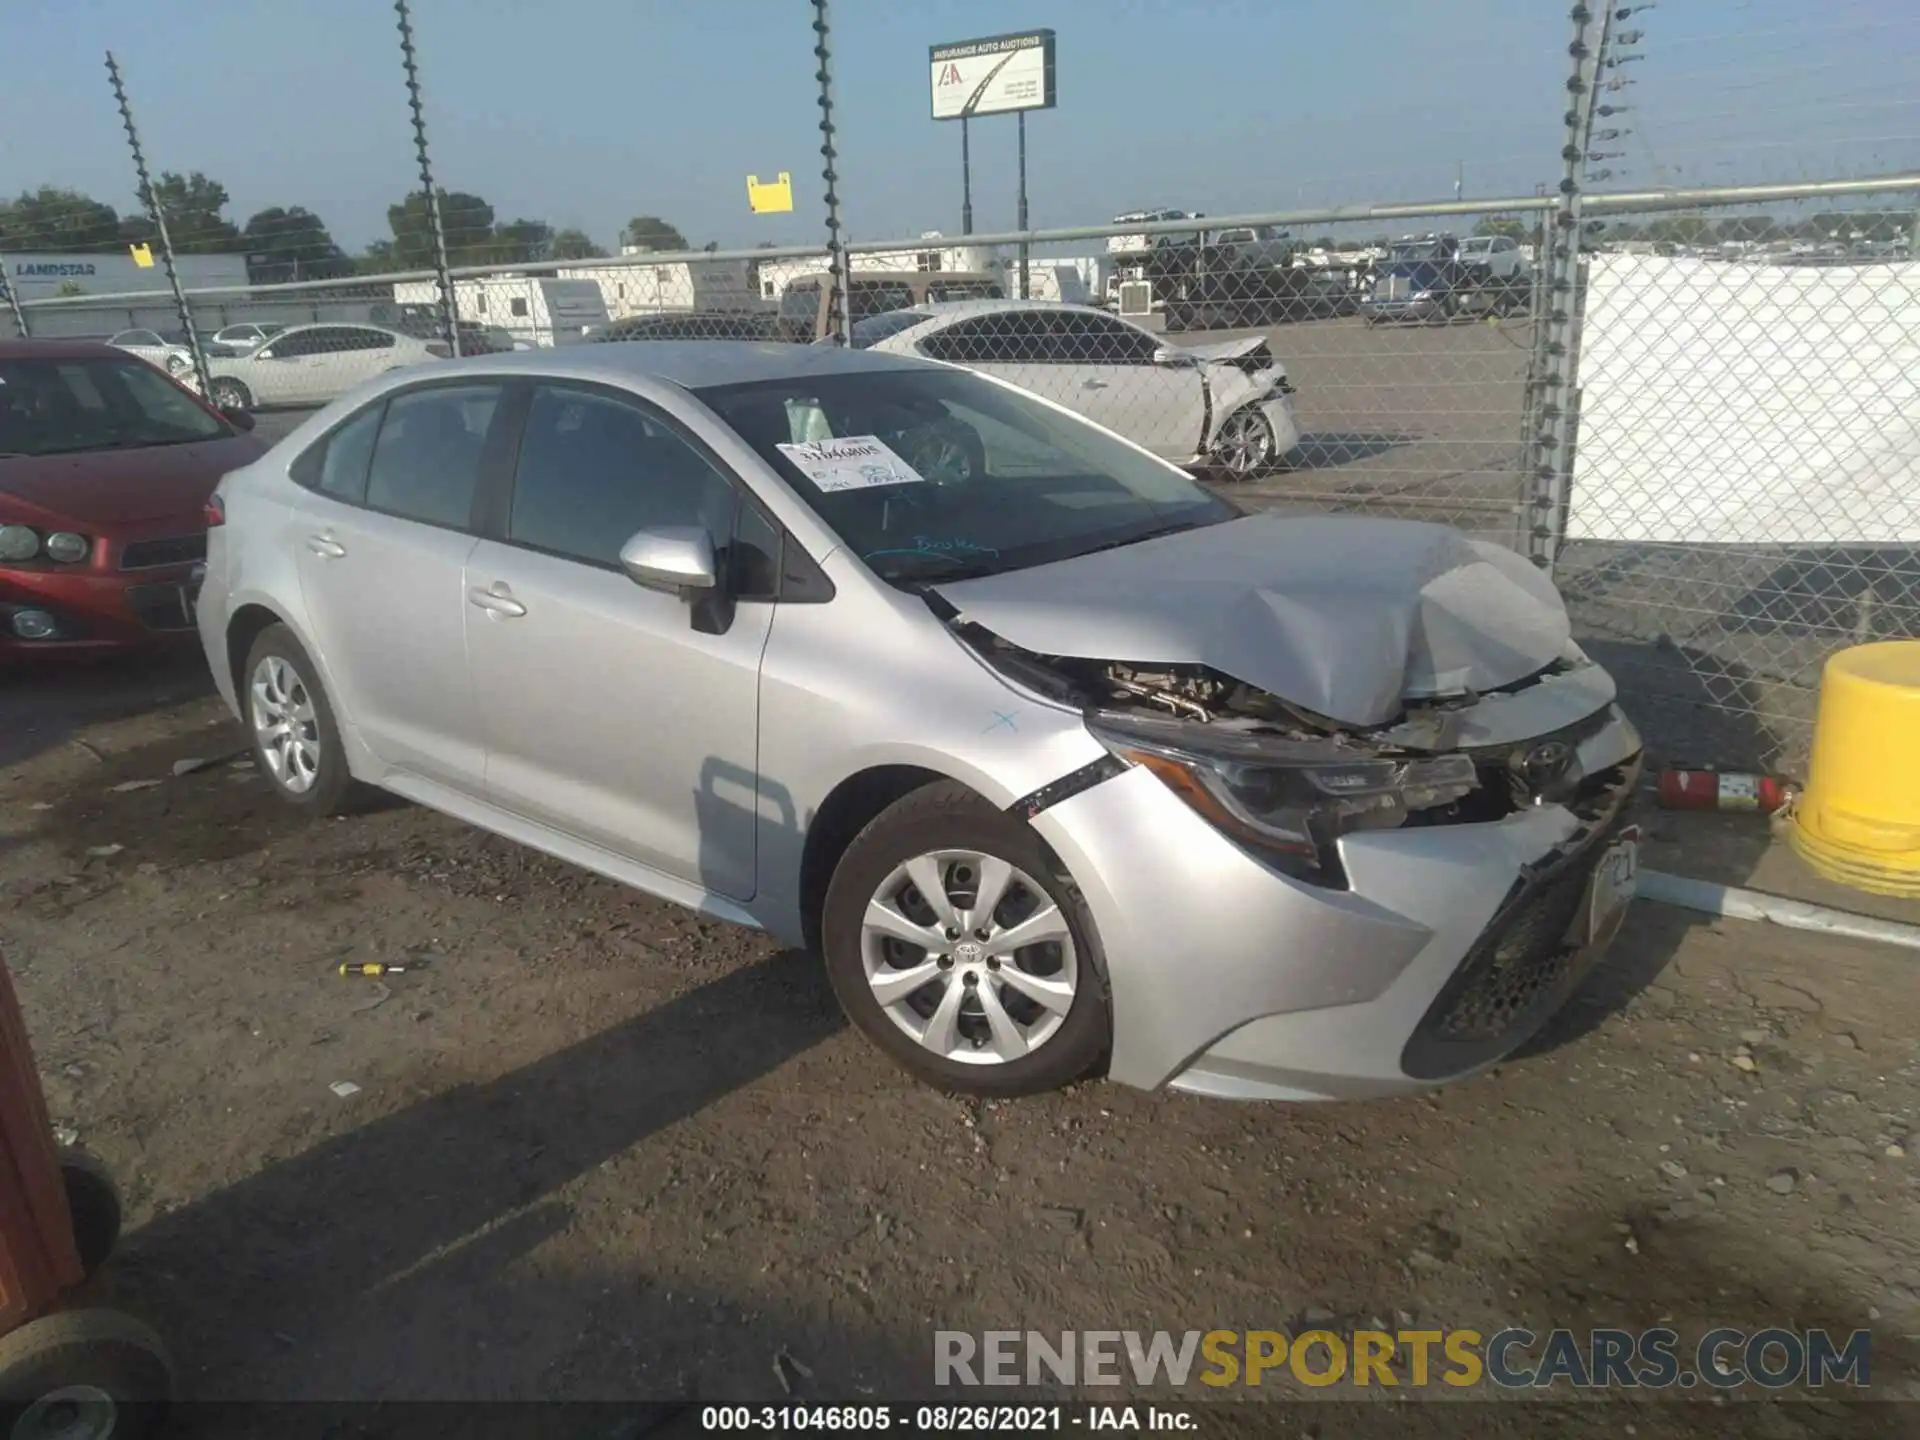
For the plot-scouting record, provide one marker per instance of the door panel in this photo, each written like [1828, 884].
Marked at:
[384, 547]
[386, 602]
[610, 718]
[610, 715]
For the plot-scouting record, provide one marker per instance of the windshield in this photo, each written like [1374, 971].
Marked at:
[941, 474]
[59, 407]
[1419, 250]
[875, 328]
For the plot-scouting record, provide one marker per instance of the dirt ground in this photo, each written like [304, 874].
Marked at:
[603, 1149]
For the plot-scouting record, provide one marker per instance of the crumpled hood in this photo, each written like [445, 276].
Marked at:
[1343, 617]
[1226, 349]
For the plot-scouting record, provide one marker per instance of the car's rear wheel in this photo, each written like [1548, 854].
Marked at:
[296, 740]
[957, 947]
[231, 394]
[1245, 446]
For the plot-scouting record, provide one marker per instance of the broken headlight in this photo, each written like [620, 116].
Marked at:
[1291, 800]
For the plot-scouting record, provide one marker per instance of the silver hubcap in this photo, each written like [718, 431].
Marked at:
[1246, 442]
[285, 725]
[969, 956]
[73, 1412]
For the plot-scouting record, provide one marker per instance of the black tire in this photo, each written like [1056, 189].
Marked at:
[332, 790]
[227, 393]
[948, 816]
[97, 1365]
[93, 1204]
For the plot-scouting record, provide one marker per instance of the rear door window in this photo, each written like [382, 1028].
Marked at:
[426, 461]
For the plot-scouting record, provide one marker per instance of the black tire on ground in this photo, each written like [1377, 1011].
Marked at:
[93, 1203]
[948, 816]
[84, 1372]
[227, 393]
[333, 790]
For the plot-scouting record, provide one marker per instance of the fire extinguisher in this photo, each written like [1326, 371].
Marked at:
[1721, 790]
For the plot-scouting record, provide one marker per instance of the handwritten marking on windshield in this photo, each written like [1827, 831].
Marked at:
[1001, 720]
[936, 545]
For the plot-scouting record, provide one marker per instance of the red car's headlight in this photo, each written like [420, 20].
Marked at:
[67, 547]
[19, 542]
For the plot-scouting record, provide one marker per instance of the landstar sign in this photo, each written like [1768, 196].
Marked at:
[996, 75]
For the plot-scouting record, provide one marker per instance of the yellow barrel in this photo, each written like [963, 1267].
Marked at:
[1859, 820]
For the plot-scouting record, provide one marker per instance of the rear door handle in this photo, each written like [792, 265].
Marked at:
[325, 547]
[494, 602]
[1093, 385]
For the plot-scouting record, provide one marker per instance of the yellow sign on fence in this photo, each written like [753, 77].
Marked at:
[772, 197]
[142, 255]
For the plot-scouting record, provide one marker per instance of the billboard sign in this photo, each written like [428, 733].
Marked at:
[996, 75]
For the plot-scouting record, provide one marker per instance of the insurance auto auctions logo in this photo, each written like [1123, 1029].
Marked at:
[1509, 1359]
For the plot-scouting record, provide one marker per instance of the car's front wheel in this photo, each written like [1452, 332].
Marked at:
[296, 740]
[1245, 446]
[954, 944]
[230, 394]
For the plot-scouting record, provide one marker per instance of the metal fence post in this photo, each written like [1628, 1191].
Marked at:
[443, 280]
[13, 305]
[1555, 409]
[839, 313]
[157, 214]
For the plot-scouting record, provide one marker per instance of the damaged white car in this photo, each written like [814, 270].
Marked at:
[1225, 406]
[1063, 765]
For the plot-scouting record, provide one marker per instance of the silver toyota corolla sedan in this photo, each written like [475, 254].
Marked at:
[1062, 764]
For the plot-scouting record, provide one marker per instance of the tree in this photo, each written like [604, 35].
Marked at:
[650, 232]
[522, 241]
[378, 258]
[192, 206]
[291, 243]
[1507, 225]
[573, 244]
[1748, 227]
[55, 218]
[467, 221]
[1680, 230]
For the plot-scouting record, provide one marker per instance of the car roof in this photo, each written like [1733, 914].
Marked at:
[59, 350]
[951, 309]
[691, 364]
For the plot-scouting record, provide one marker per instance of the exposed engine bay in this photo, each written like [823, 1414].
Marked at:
[1508, 772]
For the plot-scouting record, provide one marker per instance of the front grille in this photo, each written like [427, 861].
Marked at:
[1521, 969]
[162, 607]
[153, 554]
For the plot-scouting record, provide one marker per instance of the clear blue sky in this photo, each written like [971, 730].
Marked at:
[584, 112]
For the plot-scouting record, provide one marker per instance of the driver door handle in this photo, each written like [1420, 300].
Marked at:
[1093, 385]
[494, 602]
[326, 547]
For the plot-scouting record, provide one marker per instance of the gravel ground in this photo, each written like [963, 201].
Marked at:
[604, 1149]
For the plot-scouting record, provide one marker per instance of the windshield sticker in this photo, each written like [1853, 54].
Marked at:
[854, 462]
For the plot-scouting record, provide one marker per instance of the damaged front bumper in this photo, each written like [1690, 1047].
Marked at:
[1448, 948]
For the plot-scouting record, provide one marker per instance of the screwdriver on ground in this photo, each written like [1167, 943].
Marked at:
[371, 967]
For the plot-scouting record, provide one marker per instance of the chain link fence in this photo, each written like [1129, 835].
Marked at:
[1745, 494]
[1698, 409]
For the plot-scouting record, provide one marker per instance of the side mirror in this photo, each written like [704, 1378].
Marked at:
[675, 558]
[265, 352]
[238, 418]
[1168, 356]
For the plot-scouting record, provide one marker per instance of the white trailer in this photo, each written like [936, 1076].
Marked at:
[538, 310]
[705, 286]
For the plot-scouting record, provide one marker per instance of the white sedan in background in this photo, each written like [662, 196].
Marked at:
[314, 364]
[1226, 407]
[154, 348]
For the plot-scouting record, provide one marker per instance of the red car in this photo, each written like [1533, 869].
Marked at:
[106, 465]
